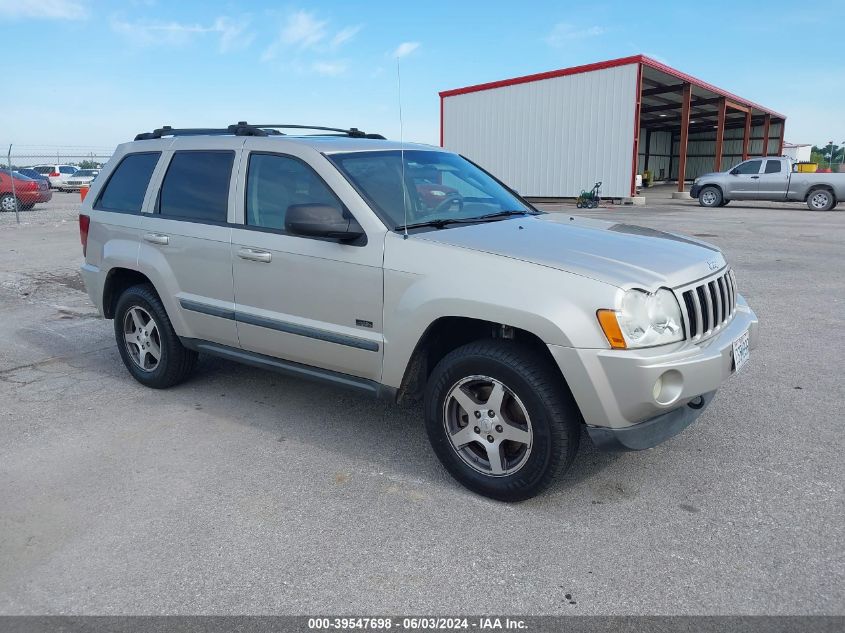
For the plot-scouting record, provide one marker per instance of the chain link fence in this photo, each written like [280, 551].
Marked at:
[33, 175]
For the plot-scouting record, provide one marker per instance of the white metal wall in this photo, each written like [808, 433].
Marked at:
[553, 137]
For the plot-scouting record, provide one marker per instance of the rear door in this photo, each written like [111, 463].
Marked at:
[312, 301]
[185, 239]
[773, 180]
[743, 182]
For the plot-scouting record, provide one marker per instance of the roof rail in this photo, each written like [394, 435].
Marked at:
[354, 132]
[242, 128]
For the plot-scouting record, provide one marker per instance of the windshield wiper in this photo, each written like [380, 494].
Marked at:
[441, 222]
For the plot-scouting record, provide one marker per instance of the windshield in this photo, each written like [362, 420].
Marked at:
[438, 186]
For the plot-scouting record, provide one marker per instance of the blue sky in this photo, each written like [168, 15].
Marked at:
[90, 72]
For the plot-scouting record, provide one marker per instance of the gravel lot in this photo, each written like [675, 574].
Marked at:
[243, 491]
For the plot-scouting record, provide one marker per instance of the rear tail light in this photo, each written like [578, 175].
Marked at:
[27, 185]
[84, 223]
[54, 174]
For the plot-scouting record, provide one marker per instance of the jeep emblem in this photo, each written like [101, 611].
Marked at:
[713, 264]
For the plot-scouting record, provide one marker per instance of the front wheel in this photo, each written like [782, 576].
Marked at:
[710, 197]
[148, 345]
[500, 419]
[821, 200]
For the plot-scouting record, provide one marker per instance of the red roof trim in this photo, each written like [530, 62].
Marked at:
[613, 63]
[622, 61]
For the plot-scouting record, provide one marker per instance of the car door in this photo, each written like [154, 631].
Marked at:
[312, 301]
[773, 180]
[743, 182]
[185, 240]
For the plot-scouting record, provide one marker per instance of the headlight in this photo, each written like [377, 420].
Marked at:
[643, 320]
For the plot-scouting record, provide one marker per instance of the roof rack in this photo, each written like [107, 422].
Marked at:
[242, 128]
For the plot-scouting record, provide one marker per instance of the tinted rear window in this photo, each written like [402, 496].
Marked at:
[126, 188]
[43, 170]
[196, 186]
[772, 166]
[67, 170]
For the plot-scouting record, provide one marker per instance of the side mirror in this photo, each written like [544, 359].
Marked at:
[322, 220]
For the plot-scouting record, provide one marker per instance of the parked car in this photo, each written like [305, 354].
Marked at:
[318, 256]
[771, 179]
[57, 174]
[31, 173]
[25, 194]
[81, 178]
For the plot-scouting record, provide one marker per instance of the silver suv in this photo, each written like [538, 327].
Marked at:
[406, 271]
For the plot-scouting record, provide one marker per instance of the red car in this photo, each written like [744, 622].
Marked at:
[29, 192]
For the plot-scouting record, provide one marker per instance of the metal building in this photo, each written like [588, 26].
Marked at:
[552, 134]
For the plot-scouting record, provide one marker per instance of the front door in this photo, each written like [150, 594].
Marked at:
[743, 181]
[311, 301]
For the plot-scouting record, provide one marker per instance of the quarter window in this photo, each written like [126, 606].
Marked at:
[127, 185]
[275, 183]
[772, 166]
[67, 170]
[196, 186]
[750, 167]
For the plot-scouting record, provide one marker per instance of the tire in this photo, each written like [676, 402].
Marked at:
[174, 363]
[9, 203]
[535, 409]
[821, 200]
[710, 197]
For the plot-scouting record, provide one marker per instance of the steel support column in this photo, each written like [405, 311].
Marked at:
[780, 141]
[682, 148]
[746, 136]
[636, 151]
[766, 122]
[720, 133]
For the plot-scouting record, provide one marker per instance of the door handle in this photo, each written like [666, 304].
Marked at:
[254, 255]
[754, 177]
[157, 238]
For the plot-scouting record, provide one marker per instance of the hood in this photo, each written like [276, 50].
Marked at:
[709, 174]
[623, 255]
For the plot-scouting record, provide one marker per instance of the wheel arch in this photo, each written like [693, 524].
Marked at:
[448, 333]
[117, 281]
[819, 187]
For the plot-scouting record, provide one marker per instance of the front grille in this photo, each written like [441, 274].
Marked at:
[709, 306]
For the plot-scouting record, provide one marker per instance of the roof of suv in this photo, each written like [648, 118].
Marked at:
[330, 140]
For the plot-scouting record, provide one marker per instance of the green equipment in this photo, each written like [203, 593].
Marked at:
[589, 199]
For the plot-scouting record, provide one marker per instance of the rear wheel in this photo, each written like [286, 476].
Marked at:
[710, 197]
[500, 419]
[8, 202]
[821, 200]
[148, 345]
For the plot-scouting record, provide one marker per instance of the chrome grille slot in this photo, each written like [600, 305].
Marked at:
[709, 306]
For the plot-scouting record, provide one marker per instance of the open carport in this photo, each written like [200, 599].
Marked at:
[552, 134]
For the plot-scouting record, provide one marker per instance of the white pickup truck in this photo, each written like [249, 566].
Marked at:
[772, 179]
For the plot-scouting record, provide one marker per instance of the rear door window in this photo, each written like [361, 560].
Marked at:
[127, 185]
[67, 170]
[196, 186]
[773, 166]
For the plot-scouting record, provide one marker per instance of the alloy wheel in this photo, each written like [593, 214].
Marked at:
[488, 426]
[142, 337]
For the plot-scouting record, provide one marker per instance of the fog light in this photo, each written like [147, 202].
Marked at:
[667, 388]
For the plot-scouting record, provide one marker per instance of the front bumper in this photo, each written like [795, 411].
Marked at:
[694, 190]
[615, 389]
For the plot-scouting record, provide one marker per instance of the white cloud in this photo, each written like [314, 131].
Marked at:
[329, 68]
[233, 33]
[304, 39]
[564, 32]
[405, 49]
[44, 9]
[344, 35]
